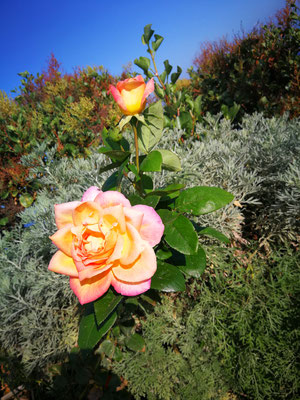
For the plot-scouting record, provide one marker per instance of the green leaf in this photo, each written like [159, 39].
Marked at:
[168, 67]
[116, 155]
[201, 200]
[184, 121]
[176, 75]
[163, 76]
[109, 167]
[195, 264]
[89, 332]
[111, 182]
[118, 355]
[214, 233]
[150, 201]
[198, 106]
[147, 183]
[159, 91]
[170, 160]
[106, 305]
[143, 63]
[4, 221]
[124, 121]
[149, 135]
[167, 278]
[157, 42]
[179, 232]
[173, 188]
[107, 347]
[4, 194]
[148, 32]
[135, 342]
[163, 254]
[26, 200]
[152, 162]
[135, 199]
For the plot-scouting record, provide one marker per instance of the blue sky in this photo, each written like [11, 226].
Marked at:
[107, 32]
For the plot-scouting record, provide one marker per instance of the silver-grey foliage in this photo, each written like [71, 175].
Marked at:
[258, 163]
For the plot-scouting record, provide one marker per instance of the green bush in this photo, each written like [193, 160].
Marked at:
[258, 71]
[68, 111]
[237, 330]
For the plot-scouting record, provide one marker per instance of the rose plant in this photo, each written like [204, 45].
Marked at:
[146, 242]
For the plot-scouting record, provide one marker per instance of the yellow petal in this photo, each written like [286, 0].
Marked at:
[63, 239]
[63, 264]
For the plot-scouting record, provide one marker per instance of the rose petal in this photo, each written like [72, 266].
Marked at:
[112, 198]
[118, 98]
[133, 245]
[132, 95]
[130, 289]
[63, 239]
[114, 215]
[63, 213]
[87, 213]
[90, 272]
[91, 193]
[91, 289]
[152, 227]
[130, 82]
[142, 269]
[63, 264]
[134, 217]
[148, 90]
[117, 250]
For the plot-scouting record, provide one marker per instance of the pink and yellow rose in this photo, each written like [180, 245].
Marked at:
[103, 241]
[131, 94]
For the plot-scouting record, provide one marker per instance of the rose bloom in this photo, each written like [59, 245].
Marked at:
[103, 241]
[131, 94]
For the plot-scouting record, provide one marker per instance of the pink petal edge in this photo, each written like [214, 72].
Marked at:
[148, 90]
[112, 198]
[152, 227]
[91, 289]
[91, 193]
[117, 97]
[130, 289]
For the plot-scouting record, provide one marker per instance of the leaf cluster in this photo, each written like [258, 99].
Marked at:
[256, 71]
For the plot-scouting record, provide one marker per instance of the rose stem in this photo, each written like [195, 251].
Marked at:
[136, 148]
[157, 76]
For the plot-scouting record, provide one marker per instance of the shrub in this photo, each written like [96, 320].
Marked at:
[235, 331]
[258, 162]
[260, 71]
[68, 111]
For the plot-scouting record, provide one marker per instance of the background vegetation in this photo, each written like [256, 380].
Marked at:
[234, 334]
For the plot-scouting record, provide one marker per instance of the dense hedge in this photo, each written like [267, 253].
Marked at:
[258, 71]
[68, 111]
